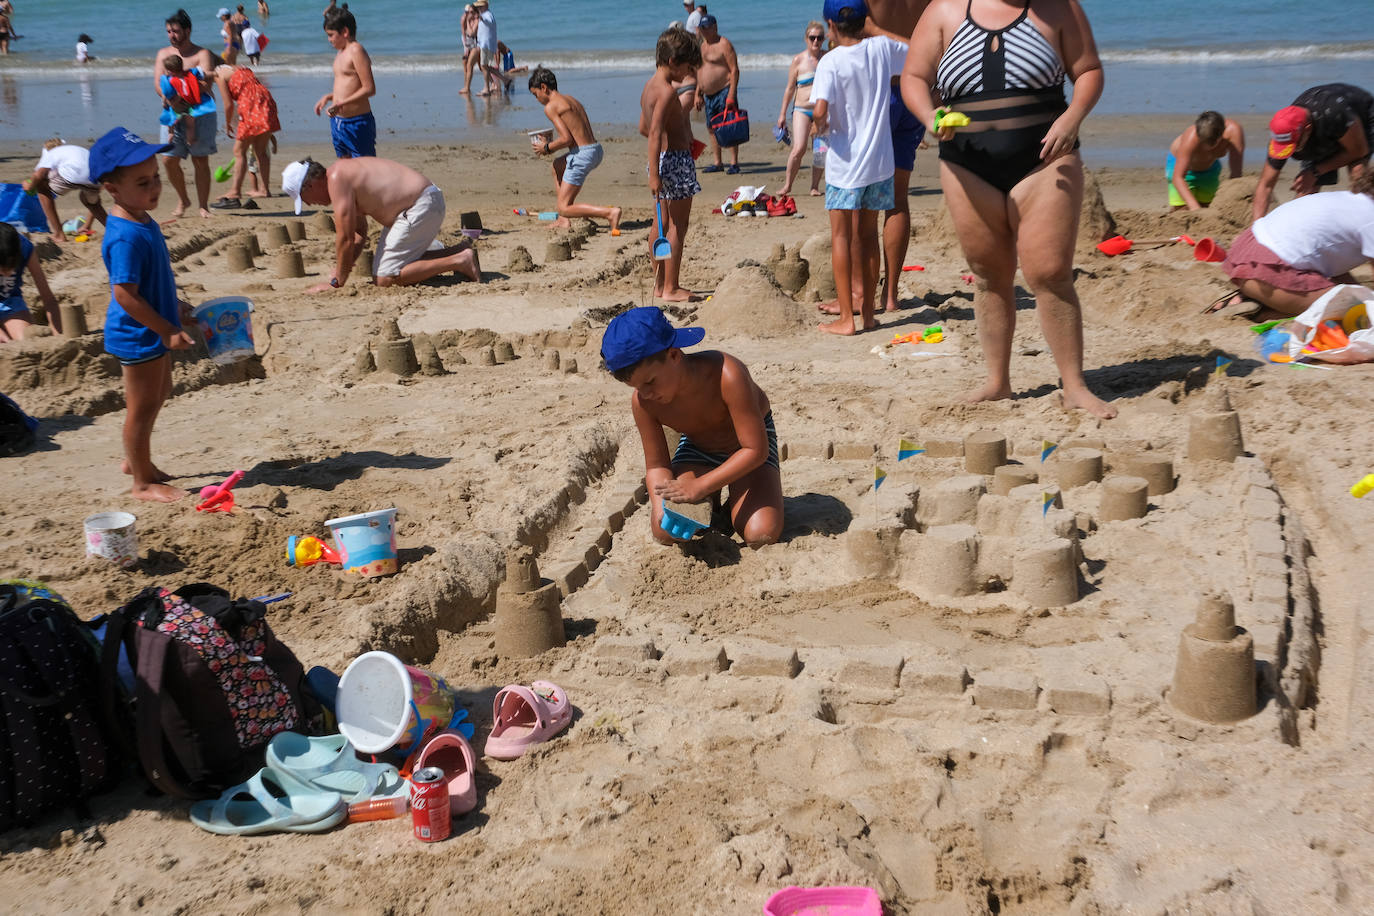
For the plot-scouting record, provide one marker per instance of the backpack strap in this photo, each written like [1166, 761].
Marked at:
[148, 715]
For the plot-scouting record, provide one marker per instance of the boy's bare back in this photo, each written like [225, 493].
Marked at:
[348, 79]
[701, 411]
[659, 110]
[568, 113]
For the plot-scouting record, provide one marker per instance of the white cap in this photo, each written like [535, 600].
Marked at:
[223, 11]
[292, 177]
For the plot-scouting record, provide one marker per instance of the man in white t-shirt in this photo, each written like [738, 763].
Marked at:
[65, 167]
[487, 46]
[694, 14]
[851, 92]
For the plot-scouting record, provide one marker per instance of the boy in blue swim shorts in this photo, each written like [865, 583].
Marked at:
[143, 320]
[852, 93]
[16, 256]
[574, 135]
[672, 173]
[728, 439]
[1200, 149]
[352, 126]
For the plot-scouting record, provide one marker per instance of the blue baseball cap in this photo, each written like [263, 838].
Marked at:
[707, 22]
[845, 10]
[640, 333]
[121, 146]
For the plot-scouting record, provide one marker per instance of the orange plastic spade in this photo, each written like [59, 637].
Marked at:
[1114, 246]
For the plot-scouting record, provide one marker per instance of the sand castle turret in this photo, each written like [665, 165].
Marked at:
[1214, 431]
[528, 617]
[1215, 676]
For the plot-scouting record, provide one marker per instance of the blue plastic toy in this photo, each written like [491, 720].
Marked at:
[679, 526]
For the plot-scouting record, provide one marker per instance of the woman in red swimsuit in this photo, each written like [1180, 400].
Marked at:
[1012, 178]
[257, 123]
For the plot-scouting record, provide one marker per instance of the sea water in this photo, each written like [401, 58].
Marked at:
[1160, 57]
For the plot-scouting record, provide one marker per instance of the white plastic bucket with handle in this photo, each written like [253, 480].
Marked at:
[383, 703]
[227, 323]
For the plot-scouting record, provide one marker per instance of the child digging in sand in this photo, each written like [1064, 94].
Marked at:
[143, 321]
[575, 135]
[672, 173]
[726, 423]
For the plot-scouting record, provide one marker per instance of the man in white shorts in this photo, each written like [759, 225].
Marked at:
[401, 199]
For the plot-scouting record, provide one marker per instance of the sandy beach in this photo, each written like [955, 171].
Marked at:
[833, 709]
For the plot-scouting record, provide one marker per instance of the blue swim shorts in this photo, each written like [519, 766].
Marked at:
[677, 175]
[206, 125]
[354, 137]
[714, 104]
[907, 132]
[876, 196]
[581, 160]
[688, 452]
[14, 307]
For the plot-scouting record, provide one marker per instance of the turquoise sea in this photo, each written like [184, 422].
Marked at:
[1161, 56]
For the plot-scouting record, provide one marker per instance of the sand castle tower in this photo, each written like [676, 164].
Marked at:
[1214, 432]
[1215, 677]
[528, 617]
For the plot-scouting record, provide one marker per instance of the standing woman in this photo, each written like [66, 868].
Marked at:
[257, 121]
[798, 107]
[1012, 178]
[471, 54]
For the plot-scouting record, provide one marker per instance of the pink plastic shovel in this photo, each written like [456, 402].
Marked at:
[824, 901]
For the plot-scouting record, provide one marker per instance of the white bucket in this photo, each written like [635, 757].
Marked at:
[382, 702]
[111, 536]
[366, 542]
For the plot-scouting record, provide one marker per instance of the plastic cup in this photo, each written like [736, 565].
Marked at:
[383, 703]
[367, 542]
[227, 324]
[111, 536]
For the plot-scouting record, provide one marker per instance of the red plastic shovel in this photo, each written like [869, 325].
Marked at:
[1120, 245]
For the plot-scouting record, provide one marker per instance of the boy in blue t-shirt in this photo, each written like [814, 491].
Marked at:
[17, 255]
[143, 321]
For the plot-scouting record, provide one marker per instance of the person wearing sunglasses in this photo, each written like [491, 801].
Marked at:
[798, 109]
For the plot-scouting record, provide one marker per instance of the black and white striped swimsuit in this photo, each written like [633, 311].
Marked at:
[1010, 82]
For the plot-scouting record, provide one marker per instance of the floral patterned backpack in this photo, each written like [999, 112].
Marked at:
[212, 686]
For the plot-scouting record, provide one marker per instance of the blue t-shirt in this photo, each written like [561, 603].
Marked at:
[12, 285]
[137, 253]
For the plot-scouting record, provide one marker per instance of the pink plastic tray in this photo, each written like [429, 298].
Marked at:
[824, 901]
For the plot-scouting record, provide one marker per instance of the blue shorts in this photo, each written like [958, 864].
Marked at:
[354, 137]
[204, 145]
[140, 360]
[581, 160]
[688, 452]
[14, 307]
[714, 104]
[907, 133]
[876, 196]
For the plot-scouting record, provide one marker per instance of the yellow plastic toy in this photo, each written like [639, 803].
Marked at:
[951, 119]
[1363, 486]
[1356, 318]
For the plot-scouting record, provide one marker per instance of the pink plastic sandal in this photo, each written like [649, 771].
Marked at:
[522, 717]
[824, 901]
[450, 752]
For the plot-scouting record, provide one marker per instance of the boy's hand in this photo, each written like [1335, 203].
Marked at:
[655, 185]
[319, 106]
[178, 340]
[320, 288]
[680, 491]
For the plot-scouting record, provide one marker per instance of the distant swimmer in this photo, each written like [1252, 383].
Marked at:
[1326, 127]
[1199, 149]
[83, 49]
[263, 11]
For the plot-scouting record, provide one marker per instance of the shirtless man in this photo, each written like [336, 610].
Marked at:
[717, 85]
[203, 147]
[1199, 149]
[351, 124]
[672, 173]
[574, 133]
[401, 199]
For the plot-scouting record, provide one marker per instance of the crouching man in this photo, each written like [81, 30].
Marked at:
[405, 202]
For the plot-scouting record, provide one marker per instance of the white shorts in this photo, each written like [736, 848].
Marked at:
[415, 231]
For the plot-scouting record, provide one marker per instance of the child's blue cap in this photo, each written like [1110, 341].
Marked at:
[121, 147]
[845, 10]
[640, 333]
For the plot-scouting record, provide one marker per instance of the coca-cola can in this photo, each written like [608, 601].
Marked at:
[429, 805]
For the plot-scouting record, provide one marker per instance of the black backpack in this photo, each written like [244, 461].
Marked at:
[17, 428]
[60, 743]
[213, 685]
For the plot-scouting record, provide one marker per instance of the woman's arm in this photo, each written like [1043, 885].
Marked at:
[1078, 51]
[789, 91]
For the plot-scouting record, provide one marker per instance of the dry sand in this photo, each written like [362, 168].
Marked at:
[892, 751]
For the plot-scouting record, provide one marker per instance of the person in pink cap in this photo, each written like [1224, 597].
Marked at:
[1325, 128]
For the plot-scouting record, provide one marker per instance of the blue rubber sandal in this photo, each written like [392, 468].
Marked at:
[268, 802]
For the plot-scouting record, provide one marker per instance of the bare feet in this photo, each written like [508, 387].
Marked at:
[830, 308]
[842, 326]
[784, 192]
[177, 211]
[158, 493]
[988, 392]
[815, 192]
[615, 221]
[465, 92]
[470, 267]
[159, 475]
[561, 223]
[205, 214]
[679, 295]
[1083, 399]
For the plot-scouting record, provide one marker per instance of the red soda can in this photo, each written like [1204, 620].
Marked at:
[429, 805]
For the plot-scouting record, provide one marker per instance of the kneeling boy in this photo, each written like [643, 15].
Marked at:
[724, 417]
